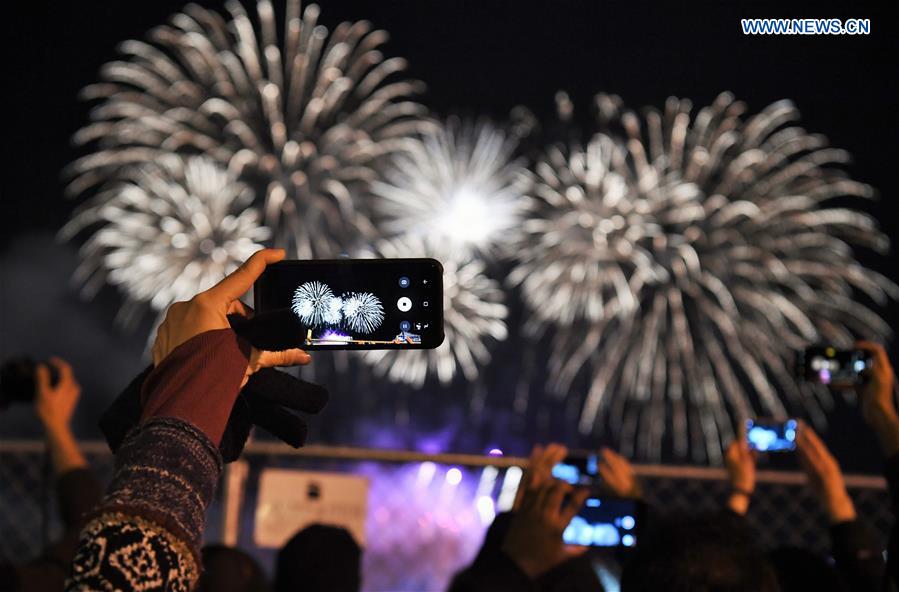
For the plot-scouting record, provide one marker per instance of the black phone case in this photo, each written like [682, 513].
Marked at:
[286, 329]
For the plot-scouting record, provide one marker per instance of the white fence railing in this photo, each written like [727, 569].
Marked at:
[442, 521]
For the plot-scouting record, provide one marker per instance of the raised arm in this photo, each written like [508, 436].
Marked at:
[856, 551]
[146, 533]
[878, 405]
[740, 463]
[77, 487]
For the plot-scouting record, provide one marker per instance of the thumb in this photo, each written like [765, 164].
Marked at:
[270, 359]
[42, 379]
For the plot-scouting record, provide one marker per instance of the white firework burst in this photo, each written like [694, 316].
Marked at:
[362, 312]
[169, 230]
[458, 187]
[680, 262]
[316, 304]
[303, 120]
[474, 314]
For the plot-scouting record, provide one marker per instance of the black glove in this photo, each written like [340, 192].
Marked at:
[263, 401]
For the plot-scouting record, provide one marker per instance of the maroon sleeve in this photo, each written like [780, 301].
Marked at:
[198, 382]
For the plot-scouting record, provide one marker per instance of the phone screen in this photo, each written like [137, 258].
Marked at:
[355, 303]
[604, 522]
[771, 436]
[581, 470]
[834, 367]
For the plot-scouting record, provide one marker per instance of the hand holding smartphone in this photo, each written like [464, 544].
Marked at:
[353, 304]
[603, 521]
[834, 367]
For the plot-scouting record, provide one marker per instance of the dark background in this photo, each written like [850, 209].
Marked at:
[477, 57]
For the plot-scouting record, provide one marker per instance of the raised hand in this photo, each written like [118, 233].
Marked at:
[618, 474]
[209, 310]
[739, 461]
[877, 401]
[534, 541]
[55, 404]
[824, 475]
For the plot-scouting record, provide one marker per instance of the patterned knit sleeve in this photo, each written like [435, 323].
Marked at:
[146, 534]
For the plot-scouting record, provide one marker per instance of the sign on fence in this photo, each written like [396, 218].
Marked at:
[291, 500]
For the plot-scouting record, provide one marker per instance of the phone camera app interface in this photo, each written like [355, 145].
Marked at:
[365, 304]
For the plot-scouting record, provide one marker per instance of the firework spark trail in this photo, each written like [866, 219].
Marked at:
[680, 262]
[316, 305]
[362, 312]
[474, 320]
[167, 231]
[457, 187]
[303, 122]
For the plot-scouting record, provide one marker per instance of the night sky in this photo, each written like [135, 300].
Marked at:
[477, 58]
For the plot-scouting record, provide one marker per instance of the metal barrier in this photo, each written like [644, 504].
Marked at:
[419, 531]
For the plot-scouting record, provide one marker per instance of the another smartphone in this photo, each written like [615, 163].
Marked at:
[353, 304]
[605, 522]
[770, 435]
[835, 367]
[581, 470]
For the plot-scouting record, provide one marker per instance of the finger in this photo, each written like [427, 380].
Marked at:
[812, 440]
[64, 369]
[732, 451]
[271, 359]
[810, 445]
[575, 503]
[536, 455]
[606, 473]
[876, 349]
[555, 495]
[533, 461]
[542, 468]
[552, 455]
[613, 458]
[237, 307]
[575, 550]
[242, 279]
[528, 499]
[557, 455]
[42, 379]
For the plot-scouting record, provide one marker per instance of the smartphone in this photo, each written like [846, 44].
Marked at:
[767, 435]
[353, 304]
[605, 522]
[578, 469]
[835, 367]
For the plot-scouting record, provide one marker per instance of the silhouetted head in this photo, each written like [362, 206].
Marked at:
[319, 559]
[226, 569]
[711, 553]
[799, 569]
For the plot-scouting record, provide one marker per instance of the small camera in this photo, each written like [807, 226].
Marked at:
[17, 380]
